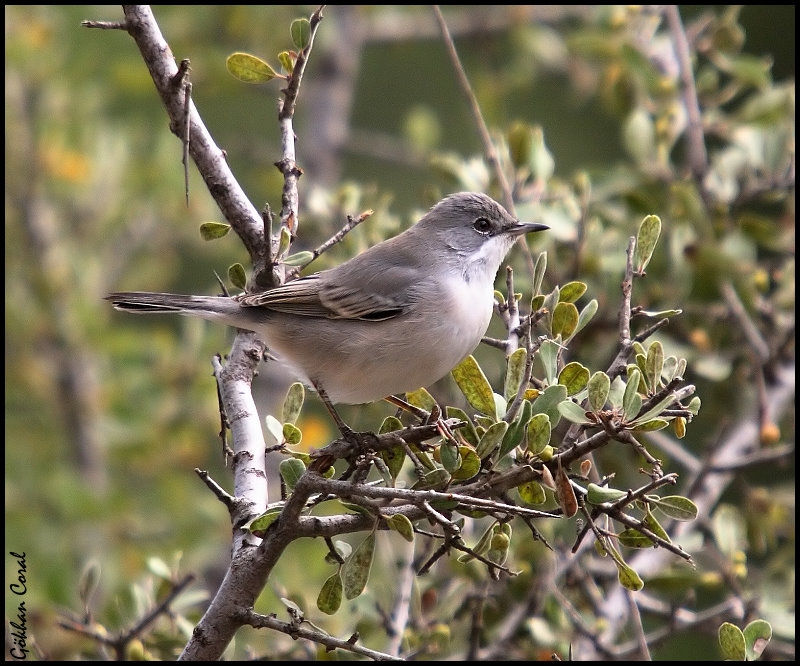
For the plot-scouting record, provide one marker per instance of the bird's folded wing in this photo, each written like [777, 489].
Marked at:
[308, 297]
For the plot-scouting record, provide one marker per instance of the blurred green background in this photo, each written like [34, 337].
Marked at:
[106, 417]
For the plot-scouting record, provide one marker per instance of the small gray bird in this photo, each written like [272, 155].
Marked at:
[395, 318]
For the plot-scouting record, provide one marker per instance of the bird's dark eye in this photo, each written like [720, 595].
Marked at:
[482, 226]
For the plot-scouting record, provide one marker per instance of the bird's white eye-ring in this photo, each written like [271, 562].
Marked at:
[482, 226]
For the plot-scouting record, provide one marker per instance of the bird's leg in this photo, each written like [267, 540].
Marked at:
[347, 432]
[420, 413]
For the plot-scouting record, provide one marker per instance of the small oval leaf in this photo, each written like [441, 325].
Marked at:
[572, 291]
[293, 403]
[574, 376]
[675, 507]
[299, 258]
[214, 230]
[491, 439]
[731, 642]
[600, 494]
[532, 492]
[330, 596]
[599, 386]
[237, 276]
[515, 371]
[355, 572]
[291, 470]
[538, 434]
[249, 68]
[565, 320]
[402, 525]
[646, 240]
[300, 31]
[573, 412]
[292, 435]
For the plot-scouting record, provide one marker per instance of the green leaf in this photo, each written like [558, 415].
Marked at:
[287, 61]
[731, 642]
[633, 538]
[655, 410]
[473, 384]
[646, 240]
[395, 457]
[291, 470]
[548, 401]
[757, 636]
[572, 291]
[284, 243]
[675, 507]
[654, 365]
[515, 371]
[237, 276]
[259, 525]
[538, 435]
[491, 439]
[470, 464]
[293, 403]
[565, 320]
[355, 571]
[249, 69]
[300, 31]
[390, 424]
[586, 315]
[214, 230]
[330, 596]
[654, 526]
[599, 385]
[549, 304]
[402, 525]
[482, 546]
[451, 458]
[628, 578]
[632, 401]
[292, 435]
[600, 494]
[574, 377]
[650, 426]
[573, 412]
[434, 480]
[299, 258]
[548, 355]
[515, 430]
[641, 363]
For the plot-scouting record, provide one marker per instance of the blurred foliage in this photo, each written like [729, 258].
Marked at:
[106, 417]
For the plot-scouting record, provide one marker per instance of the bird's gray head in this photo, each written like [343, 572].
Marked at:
[474, 228]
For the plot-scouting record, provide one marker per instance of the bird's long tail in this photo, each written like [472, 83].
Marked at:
[212, 308]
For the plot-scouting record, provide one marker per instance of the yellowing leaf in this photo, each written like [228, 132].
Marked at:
[249, 69]
[473, 384]
[330, 596]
